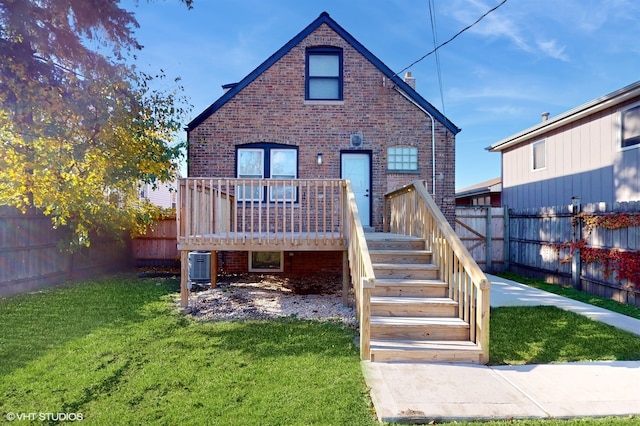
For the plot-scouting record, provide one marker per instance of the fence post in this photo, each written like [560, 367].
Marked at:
[577, 228]
[489, 240]
[507, 227]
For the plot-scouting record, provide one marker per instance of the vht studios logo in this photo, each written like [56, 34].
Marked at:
[54, 417]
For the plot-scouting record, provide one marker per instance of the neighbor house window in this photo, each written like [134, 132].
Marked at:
[630, 127]
[261, 160]
[402, 159]
[539, 155]
[265, 261]
[324, 74]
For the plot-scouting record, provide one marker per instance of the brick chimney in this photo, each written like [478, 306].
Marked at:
[410, 80]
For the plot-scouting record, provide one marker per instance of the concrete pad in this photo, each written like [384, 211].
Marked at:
[579, 389]
[424, 392]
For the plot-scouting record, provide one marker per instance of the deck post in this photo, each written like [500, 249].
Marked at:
[345, 278]
[365, 324]
[214, 268]
[184, 276]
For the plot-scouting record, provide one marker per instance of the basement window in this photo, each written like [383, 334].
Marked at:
[265, 261]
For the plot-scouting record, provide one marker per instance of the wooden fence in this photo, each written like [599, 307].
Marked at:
[541, 243]
[31, 260]
[158, 247]
[538, 243]
[482, 232]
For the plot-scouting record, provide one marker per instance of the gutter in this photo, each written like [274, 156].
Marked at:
[582, 111]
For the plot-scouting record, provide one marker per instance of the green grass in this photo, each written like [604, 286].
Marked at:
[546, 334]
[571, 293]
[116, 350]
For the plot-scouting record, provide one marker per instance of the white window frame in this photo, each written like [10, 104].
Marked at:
[405, 159]
[311, 78]
[283, 193]
[635, 145]
[533, 155]
[255, 192]
[253, 268]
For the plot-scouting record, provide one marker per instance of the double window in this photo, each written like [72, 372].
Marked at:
[259, 161]
[323, 80]
[630, 127]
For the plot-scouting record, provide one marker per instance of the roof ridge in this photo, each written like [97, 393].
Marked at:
[323, 18]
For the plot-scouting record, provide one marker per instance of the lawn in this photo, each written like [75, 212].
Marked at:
[116, 351]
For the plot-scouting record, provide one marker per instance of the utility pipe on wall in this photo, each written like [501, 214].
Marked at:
[433, 139]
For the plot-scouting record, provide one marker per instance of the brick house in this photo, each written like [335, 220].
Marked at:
[321, 107]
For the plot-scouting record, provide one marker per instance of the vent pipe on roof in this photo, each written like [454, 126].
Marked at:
[545, 116]
[410, 80]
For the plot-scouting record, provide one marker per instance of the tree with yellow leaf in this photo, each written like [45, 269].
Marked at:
[80, 128]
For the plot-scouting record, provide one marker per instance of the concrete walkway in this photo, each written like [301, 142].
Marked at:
[426, 392]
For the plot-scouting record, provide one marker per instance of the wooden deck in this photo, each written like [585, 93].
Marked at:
[240, 214]
[419, 294]
[251, 241]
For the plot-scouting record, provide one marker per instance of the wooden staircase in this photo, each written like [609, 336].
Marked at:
[413, 317]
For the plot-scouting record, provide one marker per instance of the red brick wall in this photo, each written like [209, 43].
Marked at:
[272, 109]
[295, 262]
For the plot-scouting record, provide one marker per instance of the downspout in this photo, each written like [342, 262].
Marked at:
[433, 139]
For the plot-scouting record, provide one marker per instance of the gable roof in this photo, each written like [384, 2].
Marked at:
[612, 99]
[324, 18]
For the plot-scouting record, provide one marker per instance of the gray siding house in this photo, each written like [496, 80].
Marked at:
[591, 152]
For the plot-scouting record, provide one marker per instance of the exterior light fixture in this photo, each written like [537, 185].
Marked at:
[319, 159]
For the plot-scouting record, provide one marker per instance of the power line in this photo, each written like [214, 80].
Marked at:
[432, 16]
[454, 37]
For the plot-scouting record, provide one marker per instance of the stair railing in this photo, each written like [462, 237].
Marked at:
[362, 275]
[410, 210]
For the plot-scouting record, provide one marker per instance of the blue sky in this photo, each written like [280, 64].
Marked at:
[527, 57]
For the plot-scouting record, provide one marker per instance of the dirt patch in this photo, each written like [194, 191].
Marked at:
[264, 296]
[320, 283]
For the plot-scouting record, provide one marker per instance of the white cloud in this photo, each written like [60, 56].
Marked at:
[516, 25]
[551, 49]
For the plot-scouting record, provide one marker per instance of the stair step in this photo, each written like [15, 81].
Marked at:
[376, 241]
[410, 287]
[400, 256]
[406, 270]
[388, 350]
[421, 328]
[396, 306]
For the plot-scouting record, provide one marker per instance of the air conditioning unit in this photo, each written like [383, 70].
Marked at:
[356, 140]
[199, 267]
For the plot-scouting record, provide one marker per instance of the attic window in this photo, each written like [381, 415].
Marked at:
[630, 127]
[324, 74]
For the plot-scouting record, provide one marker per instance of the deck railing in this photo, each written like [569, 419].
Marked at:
[233, 214]
[410, 210]
[361, 270]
